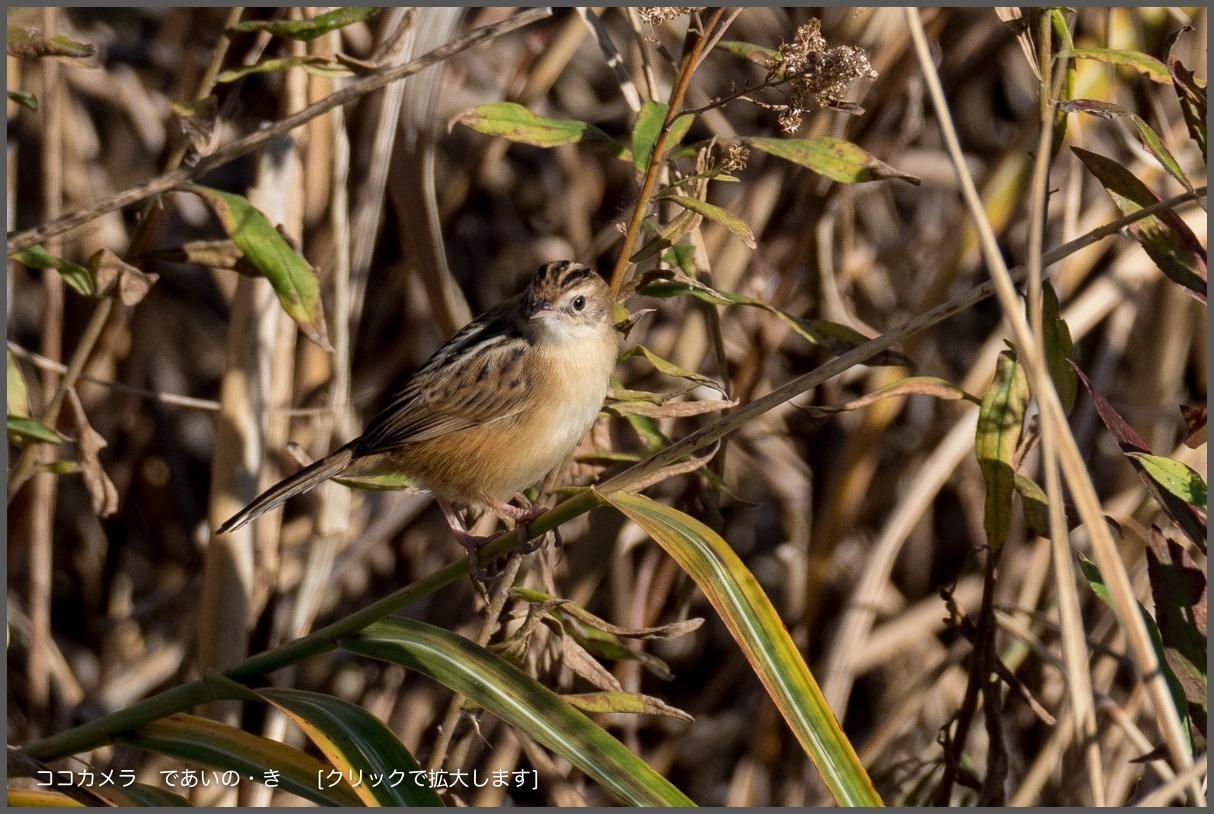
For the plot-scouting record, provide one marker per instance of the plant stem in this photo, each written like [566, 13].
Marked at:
[691, 61]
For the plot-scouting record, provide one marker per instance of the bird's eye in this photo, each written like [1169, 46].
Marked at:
[579, 302]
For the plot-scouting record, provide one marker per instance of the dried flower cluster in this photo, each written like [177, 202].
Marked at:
[818, 76]
[656, 15]
[735, 158]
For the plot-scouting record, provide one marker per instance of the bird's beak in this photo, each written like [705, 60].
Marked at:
[542, 309]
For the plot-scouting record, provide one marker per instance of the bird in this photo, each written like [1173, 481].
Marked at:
[492, 411]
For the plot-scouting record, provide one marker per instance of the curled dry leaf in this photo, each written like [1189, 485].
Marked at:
[670, 409]
[102, 491]
[222, 253]
[911, 386]
[577, 659]
[25, 43]
[548, 603]
[115, 278]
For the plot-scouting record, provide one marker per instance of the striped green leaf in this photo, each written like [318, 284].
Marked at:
[757, 628]
[219, 746]
[359, 745]
[520, 701]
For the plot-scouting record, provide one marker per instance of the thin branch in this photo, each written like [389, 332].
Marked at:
[690, 62]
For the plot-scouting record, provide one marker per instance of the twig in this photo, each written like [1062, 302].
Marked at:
[168, 181]
[690, 62]
[489, 625]
[40, 361]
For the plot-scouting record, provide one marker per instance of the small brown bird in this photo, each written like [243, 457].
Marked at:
[492, 411]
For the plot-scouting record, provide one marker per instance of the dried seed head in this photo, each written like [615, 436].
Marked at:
[817, 76]
[656, 15]
[735, 158]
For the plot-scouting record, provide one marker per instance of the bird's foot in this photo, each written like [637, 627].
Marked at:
[522, 517]
[473, 543]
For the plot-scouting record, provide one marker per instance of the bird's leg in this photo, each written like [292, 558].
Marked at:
[471, 542]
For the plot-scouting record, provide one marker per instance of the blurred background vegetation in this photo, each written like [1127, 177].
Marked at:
[864, 527]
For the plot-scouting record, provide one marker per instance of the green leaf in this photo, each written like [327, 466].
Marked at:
[1059, 349]
[758, 630]
[24, 99]
[1096, 582]
[294, 281]
[670, 368]
[75, 275]
[626, 702]
[1036, 505]
[1149, 138]
[219, 746]
[30, 429]
[649, 125]
[645, 132]
[1167, 239]
[650, 433]
[18, 400]
[835, 158]
[389, 482]
[358, 744]
[715, 213]
[1175, 477]
[519, 700]
[748, 50]
[1000, 424]
[1188, 518]
[306, 30]
[670, 234]
[1062, 33]
[512, 121]
[1148, 66]
[317, 66]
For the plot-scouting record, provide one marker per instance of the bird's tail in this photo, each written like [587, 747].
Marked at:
[303, 480]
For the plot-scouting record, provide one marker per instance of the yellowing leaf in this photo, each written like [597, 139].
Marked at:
[835, 158]
[359, 745]
[715, 213]
[1146, 65]
[294, 281]
[758, 630]
[512, 121]
[1000, 424]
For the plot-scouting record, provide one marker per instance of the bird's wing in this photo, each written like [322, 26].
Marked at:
[477, 378]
